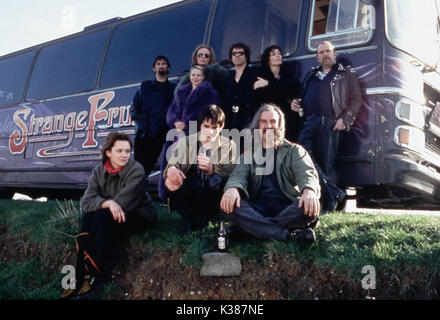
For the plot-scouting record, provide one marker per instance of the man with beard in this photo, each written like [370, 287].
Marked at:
[274, 192]
[150, 106]
[331, 101]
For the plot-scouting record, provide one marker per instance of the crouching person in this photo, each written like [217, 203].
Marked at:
[115, 204]
[197, 169]
[274, 192]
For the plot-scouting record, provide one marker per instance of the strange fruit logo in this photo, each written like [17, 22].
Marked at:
[64, 128]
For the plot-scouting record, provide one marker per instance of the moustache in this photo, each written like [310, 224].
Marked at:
[274, 131]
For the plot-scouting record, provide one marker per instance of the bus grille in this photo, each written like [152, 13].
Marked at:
[432, 143]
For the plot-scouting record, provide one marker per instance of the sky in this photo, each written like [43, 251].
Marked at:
[24, 23]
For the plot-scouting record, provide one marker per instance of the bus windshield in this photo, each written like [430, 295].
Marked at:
[414, 27]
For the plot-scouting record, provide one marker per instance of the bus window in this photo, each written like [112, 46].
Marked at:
[420, 34]
[343, 22]
[257, 23]
[67, 67]
[135, 44]
[13, 75]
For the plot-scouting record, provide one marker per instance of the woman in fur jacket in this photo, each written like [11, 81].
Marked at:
[189, 100]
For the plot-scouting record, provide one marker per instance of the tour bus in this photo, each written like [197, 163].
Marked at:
[59, 99]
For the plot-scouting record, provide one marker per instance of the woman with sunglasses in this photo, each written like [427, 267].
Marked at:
[204, 56]
[277, 84]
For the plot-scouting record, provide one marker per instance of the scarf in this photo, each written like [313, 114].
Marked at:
[108, 167]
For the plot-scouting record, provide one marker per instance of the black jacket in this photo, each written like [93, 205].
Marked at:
[150, 106]
[346, 93]
[240, 118]
[281, 92]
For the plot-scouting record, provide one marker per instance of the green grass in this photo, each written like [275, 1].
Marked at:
[394, 245]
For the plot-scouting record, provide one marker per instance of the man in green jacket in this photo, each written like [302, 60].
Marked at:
[198, 168]
[274, 193]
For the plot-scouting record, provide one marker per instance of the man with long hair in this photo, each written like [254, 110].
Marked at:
[277, 198]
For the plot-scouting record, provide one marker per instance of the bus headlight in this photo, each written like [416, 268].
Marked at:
[410, 113]
[410, 137]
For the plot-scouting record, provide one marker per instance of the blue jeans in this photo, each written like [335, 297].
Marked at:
[253, 222]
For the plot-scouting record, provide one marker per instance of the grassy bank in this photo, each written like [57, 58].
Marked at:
[37, 240]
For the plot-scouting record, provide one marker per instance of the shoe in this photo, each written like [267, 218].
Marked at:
[68, 293]
[90, 284]
[306, 236]
[342, 201]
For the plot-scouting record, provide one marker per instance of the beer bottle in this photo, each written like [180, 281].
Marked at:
[222, 239]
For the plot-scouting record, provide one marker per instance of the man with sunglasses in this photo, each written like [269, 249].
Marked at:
[204, 56]
[239, 104]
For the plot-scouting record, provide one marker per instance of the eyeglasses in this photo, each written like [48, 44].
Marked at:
[201, 55]
[238, 53]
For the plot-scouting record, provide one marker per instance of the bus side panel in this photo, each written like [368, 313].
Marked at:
[56, 143]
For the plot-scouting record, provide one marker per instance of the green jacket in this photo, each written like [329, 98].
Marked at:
[223, 162]
[294, 170]
[127, 188]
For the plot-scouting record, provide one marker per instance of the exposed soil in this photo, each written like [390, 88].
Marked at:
[162, 275]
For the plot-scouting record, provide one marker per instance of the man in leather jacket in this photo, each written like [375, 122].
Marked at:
[331, 101]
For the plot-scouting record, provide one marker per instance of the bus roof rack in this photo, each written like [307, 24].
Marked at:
[102, 23]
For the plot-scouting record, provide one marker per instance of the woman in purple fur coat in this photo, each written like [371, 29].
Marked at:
[189, 100]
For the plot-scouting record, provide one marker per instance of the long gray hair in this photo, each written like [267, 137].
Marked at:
[280, 131]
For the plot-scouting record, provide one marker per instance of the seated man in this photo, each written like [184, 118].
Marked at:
[196, 171]
[282, 202]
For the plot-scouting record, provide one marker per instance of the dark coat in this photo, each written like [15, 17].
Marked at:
[281, 92]
[244, 99]
[346, 93]
[127, 188]
[188, 103]
[149, 110]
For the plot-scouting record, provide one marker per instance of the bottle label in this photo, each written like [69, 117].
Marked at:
[221, 243]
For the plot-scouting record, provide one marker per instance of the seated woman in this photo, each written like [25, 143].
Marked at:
[115, 203]
[277, 85]
[197, 170]
[190, 99]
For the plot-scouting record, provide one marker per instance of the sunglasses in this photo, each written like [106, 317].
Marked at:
[201, 55]
[238, 53]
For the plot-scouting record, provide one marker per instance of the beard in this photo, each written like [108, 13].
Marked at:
[162, 72]
[328, 62]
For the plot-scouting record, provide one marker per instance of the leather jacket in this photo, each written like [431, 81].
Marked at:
[346, 93]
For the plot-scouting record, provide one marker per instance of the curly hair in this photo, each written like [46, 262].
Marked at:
[266, 55]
